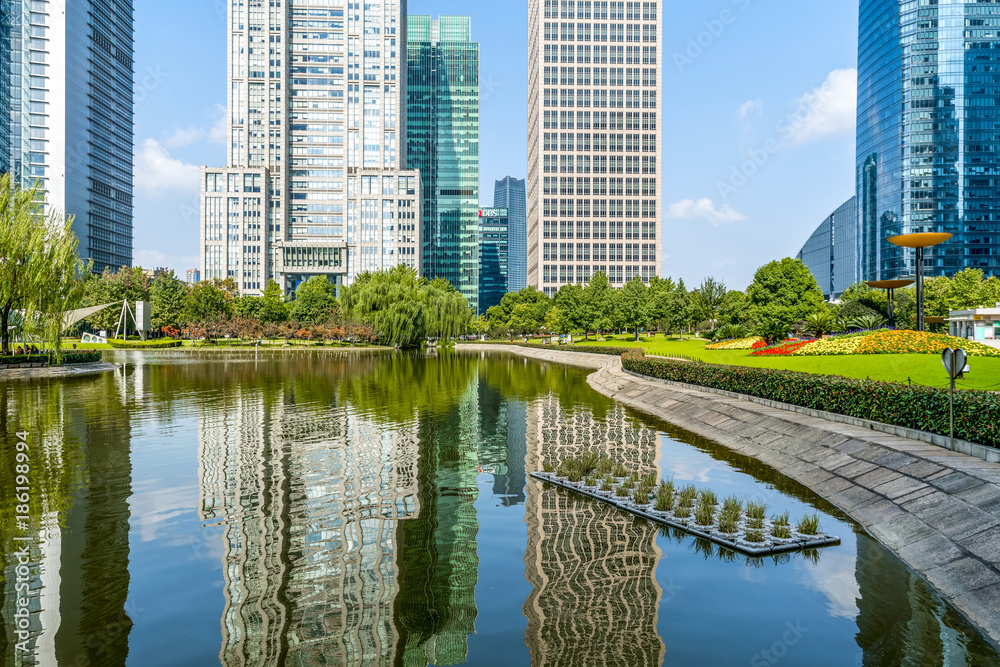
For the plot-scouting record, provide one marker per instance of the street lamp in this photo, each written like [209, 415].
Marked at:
[890, 286]
[919, 242]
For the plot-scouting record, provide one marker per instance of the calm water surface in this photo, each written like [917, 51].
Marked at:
[329, 509]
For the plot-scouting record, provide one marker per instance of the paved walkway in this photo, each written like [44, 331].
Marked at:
[937, 509]
[73, 370]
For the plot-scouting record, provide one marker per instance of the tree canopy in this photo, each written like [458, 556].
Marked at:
[784, 290]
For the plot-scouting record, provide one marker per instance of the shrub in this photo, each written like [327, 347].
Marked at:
[143, 345]
[70, 358]
[977, 413]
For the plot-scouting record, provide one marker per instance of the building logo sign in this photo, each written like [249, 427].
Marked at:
[492, 213]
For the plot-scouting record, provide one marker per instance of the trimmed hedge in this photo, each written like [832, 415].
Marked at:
[589, 349]
[977, 413]
[69, 358]
[143, 345]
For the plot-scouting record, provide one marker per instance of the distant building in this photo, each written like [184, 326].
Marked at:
[193, 276]
[494, 251]
[442, 137]
[510, 194]
[831, 252]
[67, 115]
[979, 324]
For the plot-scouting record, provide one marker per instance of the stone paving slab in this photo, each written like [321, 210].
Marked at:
[938, 510]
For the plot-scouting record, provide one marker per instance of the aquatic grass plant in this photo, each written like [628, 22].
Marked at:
[590, 481]
[606, 485]
[705, 514]
[809, 524]
[620, 470]
[665, 496]
[729, 522]
[756, 510]
[623, 490]
[755, 535]
[732, 505]
[548, 467]
[682, 511]
[708, 497]
[782, 528]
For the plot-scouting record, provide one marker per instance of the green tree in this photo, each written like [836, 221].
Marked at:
[633, 305]
[315, 301]
[273, 307]
[40, 272]
[126, 284]
[598, 304]
[523, 320]
[167, 298]
[733, 309]
[783, 290]
[708, 299]
[539, 304]
[247, 306]
[571, 302]
[208, 300]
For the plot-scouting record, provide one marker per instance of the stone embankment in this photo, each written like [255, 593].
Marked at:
[72, 370]
[938, 510]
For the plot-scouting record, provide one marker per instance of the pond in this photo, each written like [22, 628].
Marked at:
[318, 508]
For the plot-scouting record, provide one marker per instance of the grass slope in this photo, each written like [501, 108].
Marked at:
[925, 369]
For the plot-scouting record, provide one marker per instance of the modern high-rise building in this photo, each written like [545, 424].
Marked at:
[71, 108]
[831, 252]
[5, 71]
[193, 276]
[927, 151]
[594, 141]
[317, 130]
[442, 135]
[494, 262]
[510, 194]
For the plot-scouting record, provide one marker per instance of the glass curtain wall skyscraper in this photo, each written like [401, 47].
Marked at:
[510, 194]
[71, 115]
[595, 100]
[831, 251]
[494, 257]
[443, 143]
[927, 145]
[317, 127]
[5, 67]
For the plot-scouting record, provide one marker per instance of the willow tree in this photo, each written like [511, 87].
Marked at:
[40, 272]
[404, 308]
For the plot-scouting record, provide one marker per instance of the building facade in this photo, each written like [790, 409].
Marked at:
[927, 149]
[510, 194]
[5, 71]
[442, 64]
[193, 276]
[831, 252]
[494, 253]
[70, 126]
[316, 113]
[594, 141]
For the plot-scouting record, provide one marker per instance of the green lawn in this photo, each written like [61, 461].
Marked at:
[925, 369]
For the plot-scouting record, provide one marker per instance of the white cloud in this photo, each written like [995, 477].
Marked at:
[156, 173]
[704, 209]
[827, 110]
[216, 133]
[749, 106]
[149, 258]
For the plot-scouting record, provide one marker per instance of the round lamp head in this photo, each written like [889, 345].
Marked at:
[889, 284]
[923, 240]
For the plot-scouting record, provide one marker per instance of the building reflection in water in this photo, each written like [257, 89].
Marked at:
[81, 479]
[349, 531]
[595, 597]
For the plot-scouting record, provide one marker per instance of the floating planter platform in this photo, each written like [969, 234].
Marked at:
[765, 528]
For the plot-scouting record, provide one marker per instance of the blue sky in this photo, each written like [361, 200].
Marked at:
[758, 121]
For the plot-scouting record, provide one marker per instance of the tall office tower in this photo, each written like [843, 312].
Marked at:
[510, 194]
[594, 142]
[317, 133]
[831, 252]
[494, 253]
[927, 152]
[442, 135]
[71, 98]
[5, 66]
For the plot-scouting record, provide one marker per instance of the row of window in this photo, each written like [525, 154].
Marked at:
[582, 230]
[602, 120]
[602, 208]
[601, 252]
[585, 9]
[601, 99]
[603, 32]
[599, 143]
[599, 55]
[554, 273]
[584, 185]
[598, 164]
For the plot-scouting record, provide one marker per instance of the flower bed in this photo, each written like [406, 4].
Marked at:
[783, 349]
[830, 347]
[977, 413]
[735, 344]
[916, 342]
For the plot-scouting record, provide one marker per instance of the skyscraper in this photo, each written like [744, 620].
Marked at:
[494, 252]
[314, 184]
[442, 137]
[927, 152]
[594, 140]
[71, 128]
[5, 67]
[510, 194]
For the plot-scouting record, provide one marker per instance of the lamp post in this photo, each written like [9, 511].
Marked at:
[890, 286]
[919, 242]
